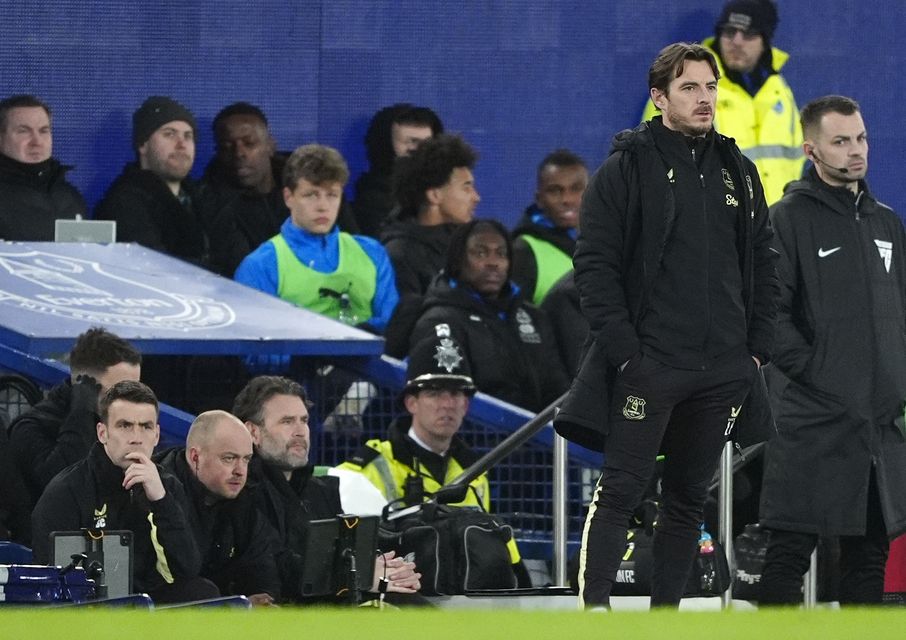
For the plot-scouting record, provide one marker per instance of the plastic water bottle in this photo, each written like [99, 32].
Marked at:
[346, 315]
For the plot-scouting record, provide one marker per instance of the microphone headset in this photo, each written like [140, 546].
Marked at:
[814, 157]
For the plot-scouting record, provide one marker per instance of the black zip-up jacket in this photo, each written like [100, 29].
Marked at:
[627, 217]
[238, 219]
[90, 495]
[55, 433]
[288, 506]
[237, 544]
[509, 344]
[525, 264]
[33, 197]
[418, 254]
[841, 342]
[147, 212]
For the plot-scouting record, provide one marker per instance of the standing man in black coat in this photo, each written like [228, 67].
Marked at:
[837, 466]
[34, 192]
[676, 277]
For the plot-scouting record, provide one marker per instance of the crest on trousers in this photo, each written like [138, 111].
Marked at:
[634, 409]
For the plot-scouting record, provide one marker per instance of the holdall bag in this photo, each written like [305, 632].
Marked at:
[749, 550]
[456, 549]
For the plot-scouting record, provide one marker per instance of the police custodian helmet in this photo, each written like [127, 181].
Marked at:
[437, 363]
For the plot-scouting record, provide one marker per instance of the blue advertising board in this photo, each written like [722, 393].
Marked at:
[52, 292]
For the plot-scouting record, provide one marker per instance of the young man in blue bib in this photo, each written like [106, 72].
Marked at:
[313, 264]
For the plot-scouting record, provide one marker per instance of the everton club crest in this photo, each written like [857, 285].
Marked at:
[634, 409]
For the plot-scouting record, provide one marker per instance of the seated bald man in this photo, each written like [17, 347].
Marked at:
[237, 544]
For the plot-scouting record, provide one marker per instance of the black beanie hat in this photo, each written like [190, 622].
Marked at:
[155, 112]
[750, 15]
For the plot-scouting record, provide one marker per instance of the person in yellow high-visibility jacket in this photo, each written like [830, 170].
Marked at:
[755, 105]
[423, 451]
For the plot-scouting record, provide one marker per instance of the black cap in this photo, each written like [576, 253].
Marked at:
[437, 363]
[750, 15]
[154, 113]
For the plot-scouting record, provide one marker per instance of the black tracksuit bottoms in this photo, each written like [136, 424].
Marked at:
[683, 414]
[863, 560]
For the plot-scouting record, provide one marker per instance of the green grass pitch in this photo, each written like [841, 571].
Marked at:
[366, 624]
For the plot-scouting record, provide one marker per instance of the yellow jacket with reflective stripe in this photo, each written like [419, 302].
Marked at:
[766, 127]
[389, 475]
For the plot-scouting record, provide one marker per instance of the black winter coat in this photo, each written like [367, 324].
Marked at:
[55, 433]
[237, 544]
[841, 342]
[571, 328]
[288, 506]
[33, 197]
[92, 489]
[237, 219]
[510, 347]
[147, 212]
[627, 215]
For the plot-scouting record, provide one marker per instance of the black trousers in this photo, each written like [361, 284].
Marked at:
[862, 561]
[683, 414]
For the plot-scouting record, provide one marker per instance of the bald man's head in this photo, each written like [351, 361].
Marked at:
[218, 450]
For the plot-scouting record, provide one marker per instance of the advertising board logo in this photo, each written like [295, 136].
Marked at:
[74, 288]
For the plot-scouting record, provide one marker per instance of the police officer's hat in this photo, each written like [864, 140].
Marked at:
[437, 362]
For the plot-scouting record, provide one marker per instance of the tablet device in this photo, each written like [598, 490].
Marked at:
[112, 549]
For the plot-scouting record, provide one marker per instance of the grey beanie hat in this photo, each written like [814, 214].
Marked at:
[155, 112]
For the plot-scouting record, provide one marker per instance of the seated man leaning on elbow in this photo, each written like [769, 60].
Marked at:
[236, 542]
[118, 487]
[313, 264]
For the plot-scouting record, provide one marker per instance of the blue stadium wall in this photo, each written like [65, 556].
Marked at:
[516, 78]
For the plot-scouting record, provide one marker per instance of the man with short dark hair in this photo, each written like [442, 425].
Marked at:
[153, 201]
[393, 132]
[286, 487]
[34, 192]
[545, 238]
[237, 544]
[756, 106]
[509, 344]
[119, 487]
[837, 466]
[676, 277]
[61, 429]
[436, 192]
[311, 262]
[242, 189]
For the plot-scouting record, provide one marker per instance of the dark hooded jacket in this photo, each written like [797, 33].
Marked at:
[55, 433]
[418, 254]
[239, 219]
[509, 343]
[33, 197]
[570, 327]
[841, 344]
[147, 212]
[288, 506]
[237, 544]
[628, 213]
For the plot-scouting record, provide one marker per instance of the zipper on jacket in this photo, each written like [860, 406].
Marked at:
[701, 177]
